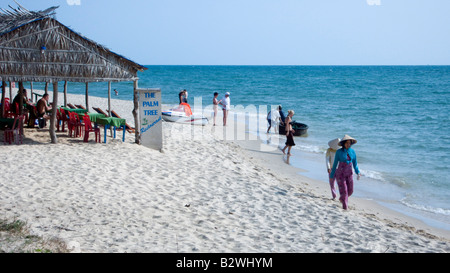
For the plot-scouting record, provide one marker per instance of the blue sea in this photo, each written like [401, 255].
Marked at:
[399, 115]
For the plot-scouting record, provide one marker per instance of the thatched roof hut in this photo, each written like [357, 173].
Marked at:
[35, 47]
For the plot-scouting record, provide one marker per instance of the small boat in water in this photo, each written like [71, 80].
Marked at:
[299, 128]
[183, 114]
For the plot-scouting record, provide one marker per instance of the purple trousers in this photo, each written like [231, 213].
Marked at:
[344, 177]
[333, 190]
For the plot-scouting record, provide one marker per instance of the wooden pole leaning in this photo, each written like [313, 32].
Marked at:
[53, 120]
[21, 110]
[109, 106]
[65, 94]
[87, 98]
[3, 98]
[137, 126]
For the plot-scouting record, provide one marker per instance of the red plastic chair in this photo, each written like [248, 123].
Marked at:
[74, 124]
[7, 107]
[9, 113]
[14, 134]
[70, 124]
[80, 125]
[58, 119]
[31, 118]
[61, 117]
[89, 129]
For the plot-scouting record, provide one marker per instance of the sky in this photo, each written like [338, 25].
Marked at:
[262, 32]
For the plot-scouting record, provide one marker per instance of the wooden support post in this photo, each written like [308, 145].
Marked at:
[109, 98]
[109, 105]
[46, 87]
[31, 94]
[10, 92]
[65, 94]
[23, 99]
[3, 98]
[87, 98]
[53, 121]
[137, 126]
[22, 102]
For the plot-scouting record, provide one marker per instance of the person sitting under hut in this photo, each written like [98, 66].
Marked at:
[42, 109]
[28, 108]
[21, 99]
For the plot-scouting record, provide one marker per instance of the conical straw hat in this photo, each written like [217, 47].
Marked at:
[334, 144]
[345, 138]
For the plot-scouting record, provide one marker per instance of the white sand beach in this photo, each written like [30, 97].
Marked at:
[197, 195]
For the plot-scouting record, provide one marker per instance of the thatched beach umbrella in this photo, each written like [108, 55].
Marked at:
[35, 47]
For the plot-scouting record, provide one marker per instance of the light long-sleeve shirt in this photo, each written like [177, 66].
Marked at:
[343, 155]
[329, 158]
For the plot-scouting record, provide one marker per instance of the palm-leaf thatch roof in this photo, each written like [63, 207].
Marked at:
[35, 47]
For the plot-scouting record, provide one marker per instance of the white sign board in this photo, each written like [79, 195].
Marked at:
[150, 118]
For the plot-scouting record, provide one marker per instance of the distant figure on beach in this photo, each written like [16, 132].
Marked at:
[180, 96]
[329, 159]
[185, 99]
[289, 133]
[117, 92]
[183, 96]
[269, 120]
[282, 115]
[274, 119]
[216, 106]
[344, 160]
[226, 103]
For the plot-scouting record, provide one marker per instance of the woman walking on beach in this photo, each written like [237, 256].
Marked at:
[215, 105]
[289, 132]
[344, 160]
[329, 159]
